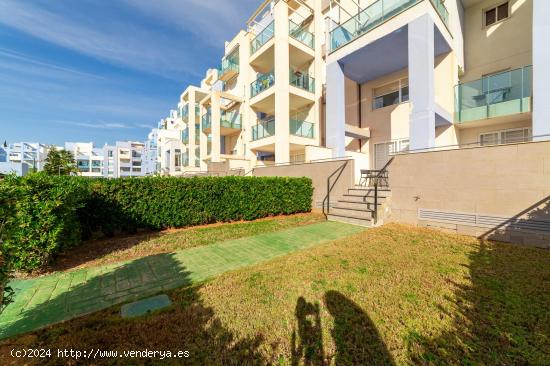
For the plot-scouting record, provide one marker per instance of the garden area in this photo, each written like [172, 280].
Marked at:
[390, 295]
[255, 278]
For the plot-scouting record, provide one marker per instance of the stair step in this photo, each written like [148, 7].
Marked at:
[349, 219]
[361, 214]
[367, 196]
[358, 209]
[360, 188]
[368, 201]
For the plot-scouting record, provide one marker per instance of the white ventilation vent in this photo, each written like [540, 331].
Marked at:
[487, 221]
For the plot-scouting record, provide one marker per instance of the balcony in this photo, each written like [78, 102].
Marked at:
[206, 121]
[263, 129]
[229, 69]
[232, 120]
[493, 96]
[197, 134]
[262, 83]
[301, 128]
[301, 34]
[302, 81]
[262, 38]
[184, 113]
[374, 15]
[185, 136]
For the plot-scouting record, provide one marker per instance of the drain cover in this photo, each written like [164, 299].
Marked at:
[145, 306]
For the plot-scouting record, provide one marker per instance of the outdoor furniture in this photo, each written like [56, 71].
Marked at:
[369, 176]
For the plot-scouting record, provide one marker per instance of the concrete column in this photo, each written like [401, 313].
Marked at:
[191, 123]
[216, 130]
[204, 139]
[282, 89]
[541, 70]
[336, 110]
[421, 83]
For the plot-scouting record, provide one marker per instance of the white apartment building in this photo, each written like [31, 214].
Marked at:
[23, 157]
[124, 159]
[310, 80]
[150, 154]
[89, 160]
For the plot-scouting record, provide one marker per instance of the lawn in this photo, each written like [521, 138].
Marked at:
[390, 295]
[111, 250]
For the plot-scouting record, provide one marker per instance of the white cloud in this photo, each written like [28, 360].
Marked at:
[98, 125]
[118, 42]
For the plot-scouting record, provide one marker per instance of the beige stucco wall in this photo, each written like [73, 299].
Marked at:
[471, 135]
[318, 172]
[501, 46]
[500, 181]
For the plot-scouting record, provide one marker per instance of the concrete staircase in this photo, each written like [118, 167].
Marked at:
[356, 206]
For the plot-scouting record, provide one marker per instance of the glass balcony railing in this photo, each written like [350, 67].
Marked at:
[263, 129]
[197, 134]
[231, 120]
[302, 81]
[370, 17]
[263, 82]
[184, 112]
[229, 66]
[496, 95]
[206, 121]
[301, 128]
[262, 38]
[301, 35]
[197, 110]
[185, 136]
[442, 10]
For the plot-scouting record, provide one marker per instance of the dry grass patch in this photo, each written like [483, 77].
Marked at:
[391, 295]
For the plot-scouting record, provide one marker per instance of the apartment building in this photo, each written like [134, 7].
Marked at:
[150, 154]
[124, 159]
[423, 74]
[22, 158]
[89, 160]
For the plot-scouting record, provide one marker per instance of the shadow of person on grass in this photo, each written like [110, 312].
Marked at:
[307, 344]
[188, 325]
[356, 338]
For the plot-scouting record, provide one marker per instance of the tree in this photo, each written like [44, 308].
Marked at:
[60, 162]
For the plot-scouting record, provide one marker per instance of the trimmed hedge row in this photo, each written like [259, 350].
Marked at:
[52, 214]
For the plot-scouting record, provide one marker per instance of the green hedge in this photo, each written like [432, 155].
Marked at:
[8, 199]
[55, 213]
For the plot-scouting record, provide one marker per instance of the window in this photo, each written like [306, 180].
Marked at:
[496, 14]
[390, 94]
[505, 137]
[384, 150]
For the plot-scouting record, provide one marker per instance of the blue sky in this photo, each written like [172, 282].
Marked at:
[101, 71]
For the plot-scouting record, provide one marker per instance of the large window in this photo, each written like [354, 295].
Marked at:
[496, 14]
[511, 136]
[390, 94]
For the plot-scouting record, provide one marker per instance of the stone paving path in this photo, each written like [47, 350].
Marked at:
[61, 296]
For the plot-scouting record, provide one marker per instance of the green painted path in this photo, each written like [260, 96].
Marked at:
[61, 296]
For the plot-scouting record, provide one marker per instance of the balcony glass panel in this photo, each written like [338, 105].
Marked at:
[263, 129]
[301, 128]
[263, 82]
[301, 34]
[231, 120]
[442, 10]
[185, 136]
[197, 133]
[495, 95]
[367, 19]
[302, 81]
[262, 38]
[206, 120]
[229, 64]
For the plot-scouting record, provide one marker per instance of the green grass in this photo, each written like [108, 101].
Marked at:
[391, 295]
[112, 250]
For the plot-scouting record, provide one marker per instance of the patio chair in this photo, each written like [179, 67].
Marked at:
[368, 176]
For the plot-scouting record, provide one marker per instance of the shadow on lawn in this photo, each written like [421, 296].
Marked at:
[503, 317]
[355, 336]
[188, 325]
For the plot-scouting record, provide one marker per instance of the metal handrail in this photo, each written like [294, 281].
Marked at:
[330, 187]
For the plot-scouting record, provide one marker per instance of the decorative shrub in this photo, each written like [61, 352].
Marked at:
[44, 221]
[8, 198]
[53, 214]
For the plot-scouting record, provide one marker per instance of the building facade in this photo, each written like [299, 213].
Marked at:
[22, 158]
[89, 160]
[124, 159]
[311, 80]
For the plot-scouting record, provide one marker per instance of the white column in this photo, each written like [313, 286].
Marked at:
[216, 129]
[336, 110]
[421, 83]
[191, 120]
[282, 89]
[541, 70]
